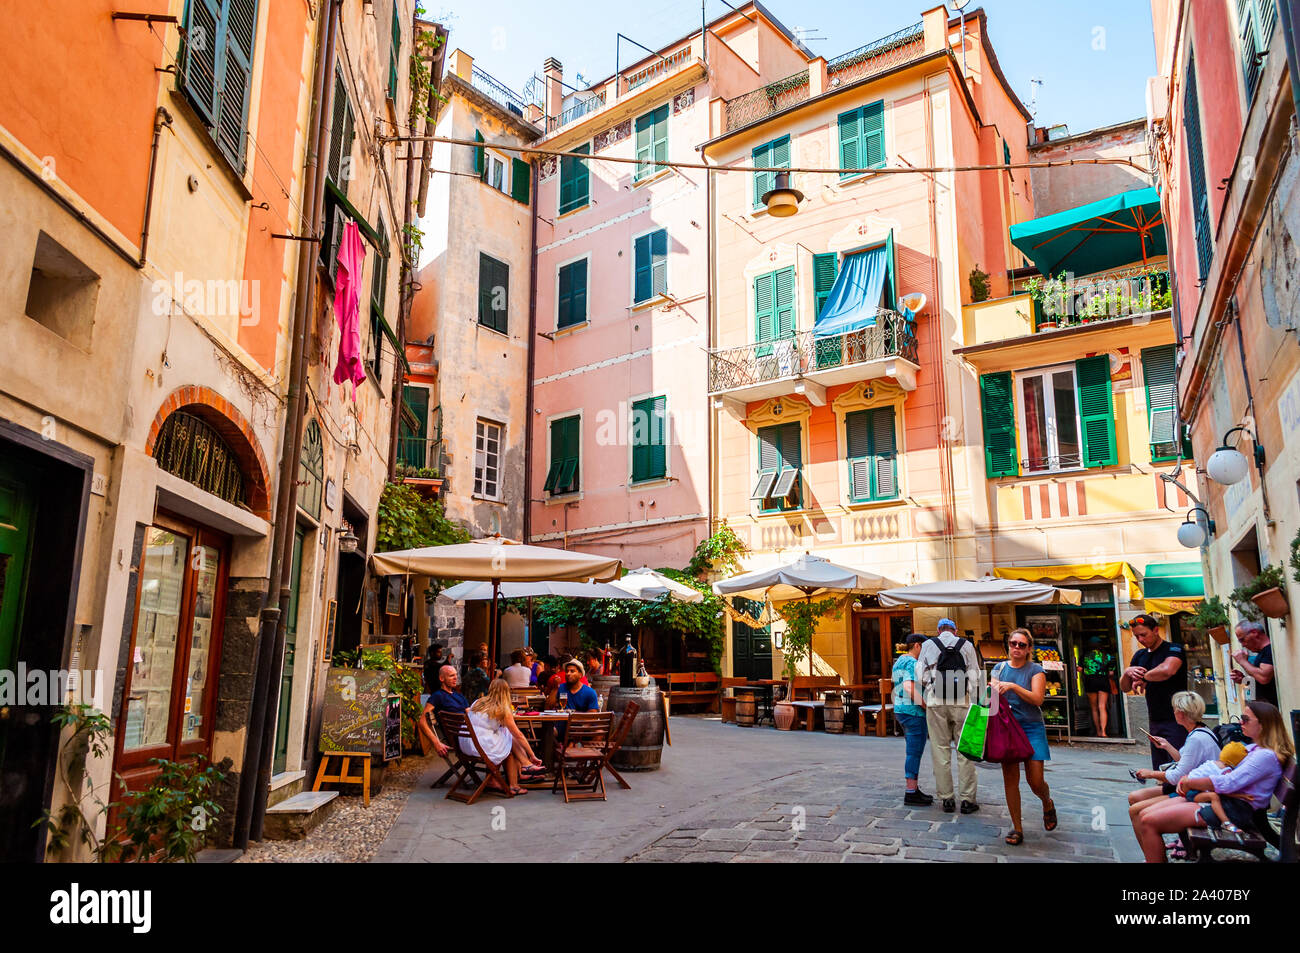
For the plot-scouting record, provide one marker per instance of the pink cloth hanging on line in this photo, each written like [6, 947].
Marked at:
[346, 307]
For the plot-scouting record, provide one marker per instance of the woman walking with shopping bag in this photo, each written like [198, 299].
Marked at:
[1021, 684]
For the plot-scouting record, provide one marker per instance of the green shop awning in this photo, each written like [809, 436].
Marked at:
[1174, 581]
[1110, 233]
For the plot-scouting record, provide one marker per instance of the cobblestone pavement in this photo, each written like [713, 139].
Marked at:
[731, 794]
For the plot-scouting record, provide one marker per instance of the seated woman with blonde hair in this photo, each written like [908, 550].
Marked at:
[493, 718]
[1202, 745]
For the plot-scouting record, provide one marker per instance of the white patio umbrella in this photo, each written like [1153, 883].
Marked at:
[476, 590]
[496, 559]
[646, 583]
[806, 577]
[988, 591]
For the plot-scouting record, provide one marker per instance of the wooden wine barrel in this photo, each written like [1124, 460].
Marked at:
[602, 684]
[745, 709]
[644, 744]
[833, 713]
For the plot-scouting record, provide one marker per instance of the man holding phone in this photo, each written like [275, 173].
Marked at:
[1158, 670]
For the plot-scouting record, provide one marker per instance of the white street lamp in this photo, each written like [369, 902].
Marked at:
[1228, 465]
[1192, 534]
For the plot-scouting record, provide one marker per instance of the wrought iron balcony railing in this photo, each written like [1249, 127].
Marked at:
[497, 91]
[803, 355]
[669, 64]
[582, 107]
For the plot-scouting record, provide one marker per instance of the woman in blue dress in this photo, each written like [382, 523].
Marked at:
[1022, 683]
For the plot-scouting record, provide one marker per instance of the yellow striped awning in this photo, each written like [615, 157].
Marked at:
[1074, 572]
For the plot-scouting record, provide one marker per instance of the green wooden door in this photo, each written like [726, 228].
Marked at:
[16, 509]
[290, 643]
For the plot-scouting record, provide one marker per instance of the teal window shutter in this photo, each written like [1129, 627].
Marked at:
[395, 54]
[575, 184]
[884, 475]
[480, 157]
[1196, 172]
[650, 266]
[762, 180]
[649, 442]
[562, 475]
[780, 457]
[826, 267]
[1096, 411]
[659, 261]
[764, 311]
[784, 303]
[217, 69]
[1159, 375]
[1006, 153]
[493, 293]
[651, 142]
[199, 72]
[520, 180]
[573, 294]
[850, 141]
[661, 133]
[857, 433]
[891, 286]
[997, 405]
[641, 266]
[873, 135]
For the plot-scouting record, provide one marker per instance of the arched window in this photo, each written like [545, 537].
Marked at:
[311, 470]
[189, 448]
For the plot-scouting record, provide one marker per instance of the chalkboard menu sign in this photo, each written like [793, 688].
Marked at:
[355, 714]
[393, 728]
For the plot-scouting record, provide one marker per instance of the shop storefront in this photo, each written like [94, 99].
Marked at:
[1173, 592]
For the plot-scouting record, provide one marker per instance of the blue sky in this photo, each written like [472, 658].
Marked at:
[1093, 57]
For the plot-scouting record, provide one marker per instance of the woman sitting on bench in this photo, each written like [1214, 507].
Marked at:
[1253, 780]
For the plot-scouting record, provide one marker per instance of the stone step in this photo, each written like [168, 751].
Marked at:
[285, 785]
[294, 818]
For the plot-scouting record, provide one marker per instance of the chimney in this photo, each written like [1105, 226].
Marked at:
[462, 64]
[935, 22]
[554, 73]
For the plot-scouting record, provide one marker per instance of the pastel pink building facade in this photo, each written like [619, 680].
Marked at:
[620, 423]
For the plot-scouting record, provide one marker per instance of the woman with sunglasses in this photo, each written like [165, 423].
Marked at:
[1022, 684]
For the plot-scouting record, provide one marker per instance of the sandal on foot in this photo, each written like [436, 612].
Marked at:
[1230, 827]
[1049, 816]
[1015, 838]
[516, 791]
[1176, 851]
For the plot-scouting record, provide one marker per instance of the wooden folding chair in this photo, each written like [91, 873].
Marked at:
[455, 726]
[616, 741]
[583, 754]
[454, 765]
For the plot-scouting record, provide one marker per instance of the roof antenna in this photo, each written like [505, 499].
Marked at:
[1034, 83]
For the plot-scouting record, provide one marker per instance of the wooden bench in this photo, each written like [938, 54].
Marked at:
[1201, 842]
[691, 688]
[808, 687]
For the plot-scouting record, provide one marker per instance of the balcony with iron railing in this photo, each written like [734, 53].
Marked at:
[660, 67]
[876, 57]
[802, 363]
[497, 91]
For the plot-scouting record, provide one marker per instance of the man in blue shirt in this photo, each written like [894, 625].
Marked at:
[444, 699]
[572, 693]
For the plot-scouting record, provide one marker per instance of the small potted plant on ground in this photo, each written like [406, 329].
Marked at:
[1264, 595]
[1212, 618]
[801, 622]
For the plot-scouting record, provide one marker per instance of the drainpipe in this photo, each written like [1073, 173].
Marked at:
[256, 774]
[164, 118]
[709, 339]
[532, 364]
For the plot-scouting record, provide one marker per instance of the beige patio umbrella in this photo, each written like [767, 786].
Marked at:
[645, 583]
[496, 559]
[988, 591]
[806, 577]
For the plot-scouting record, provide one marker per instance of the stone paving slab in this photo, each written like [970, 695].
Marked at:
[757, 795]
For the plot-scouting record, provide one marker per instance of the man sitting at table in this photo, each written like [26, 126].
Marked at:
[572, 693]
[445, 698]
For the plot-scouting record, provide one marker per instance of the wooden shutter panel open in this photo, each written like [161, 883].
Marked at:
[520, 181]
[659, 261]
[644, 280]
[644, 146]
[850, 138]
[883, 453]
[1159, 374]
[395, 54]
[201, 47]
[480, 157]
[762, 180]
[873, 135]
[236, 79]
[658, 456]
[661, 134]
[1096, 411]
[826, 267]
[1001, 456]
[784, 303]
[764, 313]
[574, 181]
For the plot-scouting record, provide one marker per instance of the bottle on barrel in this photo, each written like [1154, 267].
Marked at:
[627, 665]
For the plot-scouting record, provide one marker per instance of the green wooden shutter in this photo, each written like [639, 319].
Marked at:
[658, 461]
[202, 43]
[762, 180]
[791, 447]
[997, 403]
[520, 180]
[1096, 411]
[338, 133]
[394, 54]
[643, 289]
[236, 78]
[1267, 11]
[883, 454]
[850, 140]
[480, 157]
[764, 311]
[857, 432]
[574, 181]
[660, 144]
[493, 274]
[1196, 172]
[826, 268]
[784, 303]
[557, 456]
[573, 453]
[645, 138]
[1161, 381]
[769, 448]
[564, 296]
[502, 313]
[659, 261]
[649, 451]
[573, 294]
[891, 286]
[485, 275]
[873, 135]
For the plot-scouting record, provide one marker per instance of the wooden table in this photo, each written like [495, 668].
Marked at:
[548, 720]
[810, 712]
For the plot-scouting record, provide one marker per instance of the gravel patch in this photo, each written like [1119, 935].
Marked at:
[353, 833]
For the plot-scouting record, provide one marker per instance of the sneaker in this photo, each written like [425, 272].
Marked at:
[969, 807]
[918, 798]
[949, 805]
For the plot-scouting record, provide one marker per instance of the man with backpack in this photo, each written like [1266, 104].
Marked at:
[948, 669]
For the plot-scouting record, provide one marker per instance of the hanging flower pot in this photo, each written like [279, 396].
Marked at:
[1219, 633]
[1272, 602]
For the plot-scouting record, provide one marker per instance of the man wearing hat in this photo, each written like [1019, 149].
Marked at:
[948, 670]
[572, 693]
[1159, 671]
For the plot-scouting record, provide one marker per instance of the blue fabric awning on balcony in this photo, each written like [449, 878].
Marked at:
[1112, 232]
[857, 294]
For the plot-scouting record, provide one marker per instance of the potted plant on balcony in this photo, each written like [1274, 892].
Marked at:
[979, 285]
[424, 479]
[1263, 596]
[1211, 617]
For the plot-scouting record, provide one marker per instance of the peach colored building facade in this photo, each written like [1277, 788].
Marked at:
[620, 452]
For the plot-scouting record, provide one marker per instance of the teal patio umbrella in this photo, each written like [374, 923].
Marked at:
[1102, 235]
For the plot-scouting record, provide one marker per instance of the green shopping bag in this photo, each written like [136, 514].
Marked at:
[973, 730]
